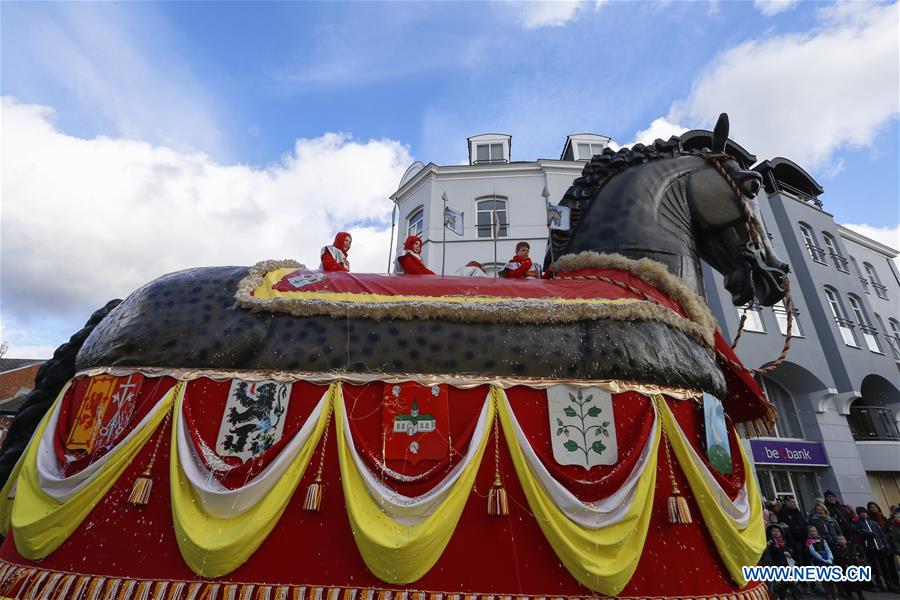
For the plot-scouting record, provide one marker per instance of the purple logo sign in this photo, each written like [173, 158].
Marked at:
[784, 452]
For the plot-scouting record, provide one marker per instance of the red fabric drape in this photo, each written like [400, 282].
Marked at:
[204, 406]
[486, 554]
[633, 418]
[366, 424]
[147, 392]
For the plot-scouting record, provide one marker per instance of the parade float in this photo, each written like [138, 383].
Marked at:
[281, 432]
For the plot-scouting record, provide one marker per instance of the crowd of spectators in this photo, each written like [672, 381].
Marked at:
[833, 533]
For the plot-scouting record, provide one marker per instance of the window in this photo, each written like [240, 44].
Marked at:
[845, 325]
[788, 423]
[872, 422]
[586, 150]
[840, 262]
[489, 153]
[893, 337]
[862, 319]
[780, 311]
[416, 222]
[876, 283]
[491, 212]
[812, 246]
[754, 320]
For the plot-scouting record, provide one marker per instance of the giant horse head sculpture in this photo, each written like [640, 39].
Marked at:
[676, 207]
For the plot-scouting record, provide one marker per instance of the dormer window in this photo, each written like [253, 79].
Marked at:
[489, 148]
[586, 150]
[583, 146]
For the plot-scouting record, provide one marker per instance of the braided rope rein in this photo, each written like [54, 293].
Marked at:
[715, 160]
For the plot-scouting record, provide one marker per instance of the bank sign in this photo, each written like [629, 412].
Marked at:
[784, 452]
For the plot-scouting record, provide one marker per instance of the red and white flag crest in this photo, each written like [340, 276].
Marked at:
[416, 421]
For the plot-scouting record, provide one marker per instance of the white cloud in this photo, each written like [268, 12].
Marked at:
[804, 96]
[889, 236]
[773, 7]
[550, 13]
[659, 129]
[88, 220]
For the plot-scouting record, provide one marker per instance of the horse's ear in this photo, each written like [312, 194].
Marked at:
[720, 134]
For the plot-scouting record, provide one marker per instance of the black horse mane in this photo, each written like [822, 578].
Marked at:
[597, 173]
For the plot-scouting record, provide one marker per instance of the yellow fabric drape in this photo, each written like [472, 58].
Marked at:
[41, 524]
[604, 559]
[214, 547]
[396, 553]
[6, 503]
[736, 547]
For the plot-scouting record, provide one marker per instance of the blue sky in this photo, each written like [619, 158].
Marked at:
[253, 113]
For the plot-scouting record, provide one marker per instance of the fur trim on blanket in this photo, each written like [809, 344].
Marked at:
[650, 271]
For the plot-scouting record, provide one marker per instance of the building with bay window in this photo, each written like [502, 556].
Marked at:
[838, 393]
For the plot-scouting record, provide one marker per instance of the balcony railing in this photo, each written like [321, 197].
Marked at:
[865, 284]
[803, 196]
[816, 253]
[840, 263]
[894, 342]
[874, 423]
[845, 326]
[880, 290]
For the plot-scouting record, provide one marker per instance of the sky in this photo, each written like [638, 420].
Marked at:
[138, 139]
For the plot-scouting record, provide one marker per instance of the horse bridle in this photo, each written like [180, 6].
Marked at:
[716, 161]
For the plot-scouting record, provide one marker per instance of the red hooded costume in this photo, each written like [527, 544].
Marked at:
[334, 257]
[409, 261]
[520, 267]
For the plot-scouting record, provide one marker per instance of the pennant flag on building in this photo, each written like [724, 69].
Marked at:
[453, 220]
[558, 217]
[416, 422]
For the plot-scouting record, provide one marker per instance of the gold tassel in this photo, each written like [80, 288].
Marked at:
[679, 511]
[143, 485]
[498, 505]
[140, 491]
[314, 495]
[316, 490]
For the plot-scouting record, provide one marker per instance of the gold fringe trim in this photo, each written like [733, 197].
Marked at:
[613, 386]
[25, 583]
[700, 324]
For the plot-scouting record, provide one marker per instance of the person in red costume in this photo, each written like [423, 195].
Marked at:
[520, 266]
[410, 261]
[334, 257]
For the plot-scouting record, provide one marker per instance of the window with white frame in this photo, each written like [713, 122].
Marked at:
[489, 153]
[845, 325]
[780, 311]
[754, 320]
[862, 319]
[840, 262]
[812, 246]
[491, 217]
[416, 222]
[875, 281]
[587, 150]
[894, 337]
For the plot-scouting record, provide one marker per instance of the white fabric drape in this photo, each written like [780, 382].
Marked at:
[50, 473]
[221, 502]
[590, 515]
[406, 510]
[738, 510]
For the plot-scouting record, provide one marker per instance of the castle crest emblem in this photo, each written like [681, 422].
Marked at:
[253, 420]
[416, 422]
[582, 426]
